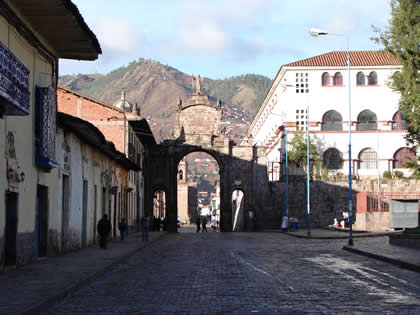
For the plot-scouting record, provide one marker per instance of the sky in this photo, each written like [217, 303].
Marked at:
[223, 38]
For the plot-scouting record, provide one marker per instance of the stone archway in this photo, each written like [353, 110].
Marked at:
[198, 129]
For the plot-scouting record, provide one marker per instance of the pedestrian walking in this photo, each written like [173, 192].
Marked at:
[346, 218]
[203, 224]
[145, 227]
[198, 223]
[123, 227]
[104, 228]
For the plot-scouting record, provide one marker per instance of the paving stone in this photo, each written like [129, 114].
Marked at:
[239, 273]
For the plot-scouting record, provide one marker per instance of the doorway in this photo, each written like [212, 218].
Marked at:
[42, 221]
[84, 213]
[95, 210]
[65, 206]
[238, 213]
[11, 228]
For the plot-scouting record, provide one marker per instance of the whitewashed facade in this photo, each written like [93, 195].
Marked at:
[91, 176]
[321, 84]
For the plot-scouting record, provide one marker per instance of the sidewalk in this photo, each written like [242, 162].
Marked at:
[324, 233]
[370, 244]
[31, 288]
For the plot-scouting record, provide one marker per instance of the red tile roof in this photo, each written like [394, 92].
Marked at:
[339, 59]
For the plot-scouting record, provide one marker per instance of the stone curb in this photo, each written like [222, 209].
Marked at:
[50, 301]
[393, 261]
[335, 237]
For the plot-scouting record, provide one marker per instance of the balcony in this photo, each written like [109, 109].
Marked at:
[45, 128]
[14, 85]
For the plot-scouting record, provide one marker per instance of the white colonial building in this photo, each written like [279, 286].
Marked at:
[321, 84]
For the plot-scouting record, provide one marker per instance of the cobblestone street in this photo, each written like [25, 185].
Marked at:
[246, 273]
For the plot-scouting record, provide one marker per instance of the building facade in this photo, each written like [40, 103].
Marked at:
[319, 87]
[32, 38]
[122, 125]
[92, 175]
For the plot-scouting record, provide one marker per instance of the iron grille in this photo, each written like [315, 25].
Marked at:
[46, 127]
[333, 159]
[368, 159]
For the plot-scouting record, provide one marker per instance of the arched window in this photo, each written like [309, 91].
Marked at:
[332, 121]
[325, 79]
[401, 157]
[396, 79]
[360, 78]
[338, 79]
[367, 121]
[367, 159]
[399, 122]
[333, 159]
[373, 78]
[181, 174]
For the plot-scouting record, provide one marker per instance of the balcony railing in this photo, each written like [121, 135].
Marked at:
[14, 84]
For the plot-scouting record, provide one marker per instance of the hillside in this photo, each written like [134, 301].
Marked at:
[157, 87]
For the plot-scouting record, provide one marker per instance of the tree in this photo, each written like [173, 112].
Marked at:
[298, 149]
[401, 39]
[413, 164]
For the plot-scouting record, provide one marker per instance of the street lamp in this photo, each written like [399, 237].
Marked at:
[317, 32]
[308, 189]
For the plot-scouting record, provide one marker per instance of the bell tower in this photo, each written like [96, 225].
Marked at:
[182, 171]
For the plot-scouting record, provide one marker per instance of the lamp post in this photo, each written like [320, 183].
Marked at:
[317, 32]
[308, 189]
[287, 173]
[287, 170]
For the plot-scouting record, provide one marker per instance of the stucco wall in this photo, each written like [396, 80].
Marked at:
[22, 127]
[86, 164]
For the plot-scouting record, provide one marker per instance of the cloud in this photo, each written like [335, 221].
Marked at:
[229, 30]
[120, 40]
[206, 36]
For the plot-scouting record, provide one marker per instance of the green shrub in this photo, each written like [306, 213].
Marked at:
[398, 174]
[339, 176]
[387, 175]
[415, 230]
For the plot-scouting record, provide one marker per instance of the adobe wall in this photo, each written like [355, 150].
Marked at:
[110, 121]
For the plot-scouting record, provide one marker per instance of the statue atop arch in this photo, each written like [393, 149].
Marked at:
[197, 82]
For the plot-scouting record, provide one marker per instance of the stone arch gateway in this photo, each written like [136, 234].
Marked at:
[198, 129]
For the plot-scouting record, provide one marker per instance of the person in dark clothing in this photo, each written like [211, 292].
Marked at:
[122, 226]
[203, 224]
[156, 224]
[104, 228]
[198, 222]
[145, 223]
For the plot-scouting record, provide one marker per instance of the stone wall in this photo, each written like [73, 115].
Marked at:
[328, 199]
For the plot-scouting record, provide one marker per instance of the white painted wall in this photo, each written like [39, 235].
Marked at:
[282, 102]
[87, 163]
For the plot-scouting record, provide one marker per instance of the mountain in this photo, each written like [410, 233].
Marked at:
[157, 88]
